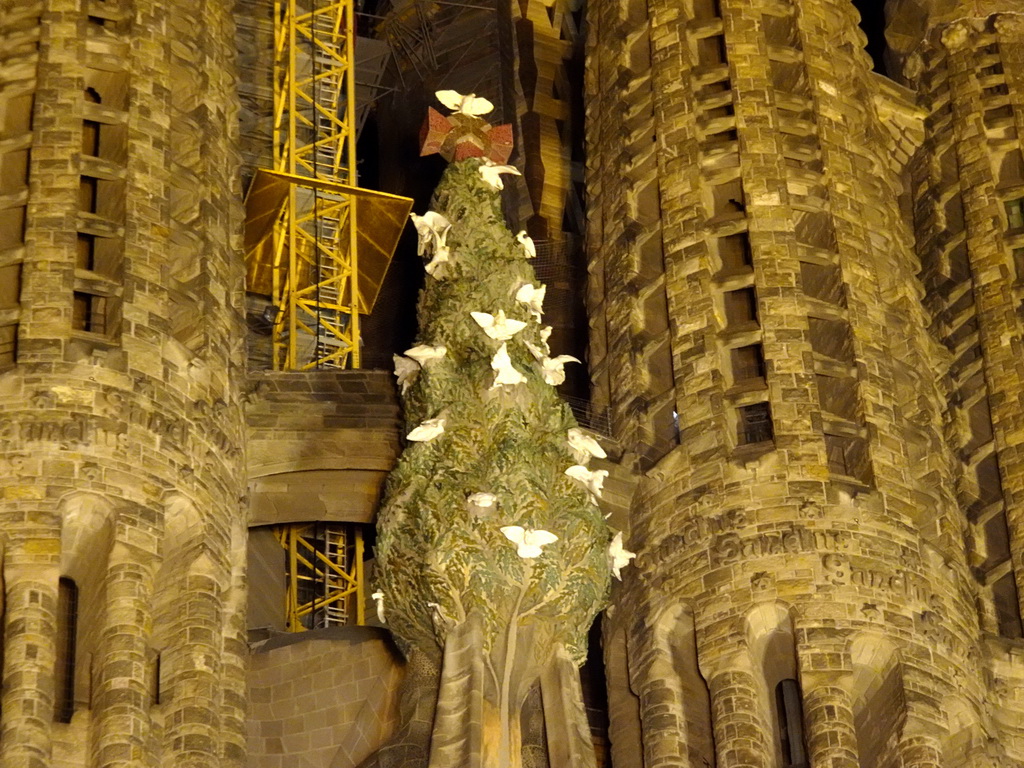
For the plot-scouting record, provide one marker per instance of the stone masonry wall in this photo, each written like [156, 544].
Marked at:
[806, 527]
[327, 699]
[121, 432]
[320, 444]
[965, 62]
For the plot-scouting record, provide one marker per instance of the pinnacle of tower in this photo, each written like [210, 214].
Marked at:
[910, 21]
[464, 134]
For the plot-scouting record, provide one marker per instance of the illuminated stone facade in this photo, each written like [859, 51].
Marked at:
[123, 519]
[803, 306]
[804, 302]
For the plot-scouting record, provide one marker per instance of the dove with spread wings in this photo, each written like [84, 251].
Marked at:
[528, 542]
[470, 104]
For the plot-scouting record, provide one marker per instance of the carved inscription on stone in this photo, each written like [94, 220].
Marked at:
[81, 430]
[731, 548]
[841, 571]
[727, 546]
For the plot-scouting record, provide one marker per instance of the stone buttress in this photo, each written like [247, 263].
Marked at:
[802, 591]
[122, 522]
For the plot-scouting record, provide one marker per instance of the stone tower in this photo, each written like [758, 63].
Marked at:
[823, 575]
[122, 520]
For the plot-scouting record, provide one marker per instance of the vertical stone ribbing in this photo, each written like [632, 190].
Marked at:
[966, 64]
[811, 480]
[831, 731]
[741, 738]
[29, 653]
[123, 688]
[121, 440]
[999, 328]
[660, 707]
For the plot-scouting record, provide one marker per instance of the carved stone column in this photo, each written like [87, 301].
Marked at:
[29, 658]
[920, 751]
[741, 736]
[828, 715]
[121, 696]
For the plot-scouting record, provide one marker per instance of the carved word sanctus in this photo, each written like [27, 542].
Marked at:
[840, 570]
[727, 546]
[731, 547]
[79, 430]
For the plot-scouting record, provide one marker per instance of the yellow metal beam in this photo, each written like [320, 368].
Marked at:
[325, 574]
[309, 228]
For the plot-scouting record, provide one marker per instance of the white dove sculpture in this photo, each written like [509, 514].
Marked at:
[592, 480]
[427, 431]
[618, 556]
[584, 447]
[505, 374]
[491, 172]
[406, 371]
[424, 353]
[542, 350]
[498, 327]
[481, 505]
[432, 229]
[533, 298]
[528, 542]
[470, 104]
[553, 368]
[442, 255]
[482, 499]
[527, 242]
[378, 598]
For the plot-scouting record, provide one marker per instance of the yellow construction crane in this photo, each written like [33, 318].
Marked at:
[319, 247]
[316, 243]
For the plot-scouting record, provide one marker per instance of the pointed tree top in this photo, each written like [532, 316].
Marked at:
[464, 133]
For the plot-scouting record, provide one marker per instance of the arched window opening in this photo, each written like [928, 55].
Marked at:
[773, 650]
[66, 647]
[789, 710]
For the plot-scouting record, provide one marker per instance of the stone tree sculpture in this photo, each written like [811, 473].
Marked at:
[492, 557]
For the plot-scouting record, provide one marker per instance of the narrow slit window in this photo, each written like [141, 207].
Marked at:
[8, 345]
[1015, 213]
[791, 724]
[728, 198]
[91, 138]
[706, 9]
[734, 252]
[748, 364]
[711, 51]
[87, 198]
[998, 114]
[755, 424]
[1004, 595]
[66, 641]
[740, 307]
[89, 313]
[86, 251]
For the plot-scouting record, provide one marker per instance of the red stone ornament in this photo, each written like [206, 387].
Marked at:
[459, 136]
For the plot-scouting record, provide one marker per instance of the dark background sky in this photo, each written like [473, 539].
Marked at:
[873, 24]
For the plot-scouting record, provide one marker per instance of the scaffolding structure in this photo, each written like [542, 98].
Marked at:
[316, 243]
[325, 568]
[317, 321]
[318, 246]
